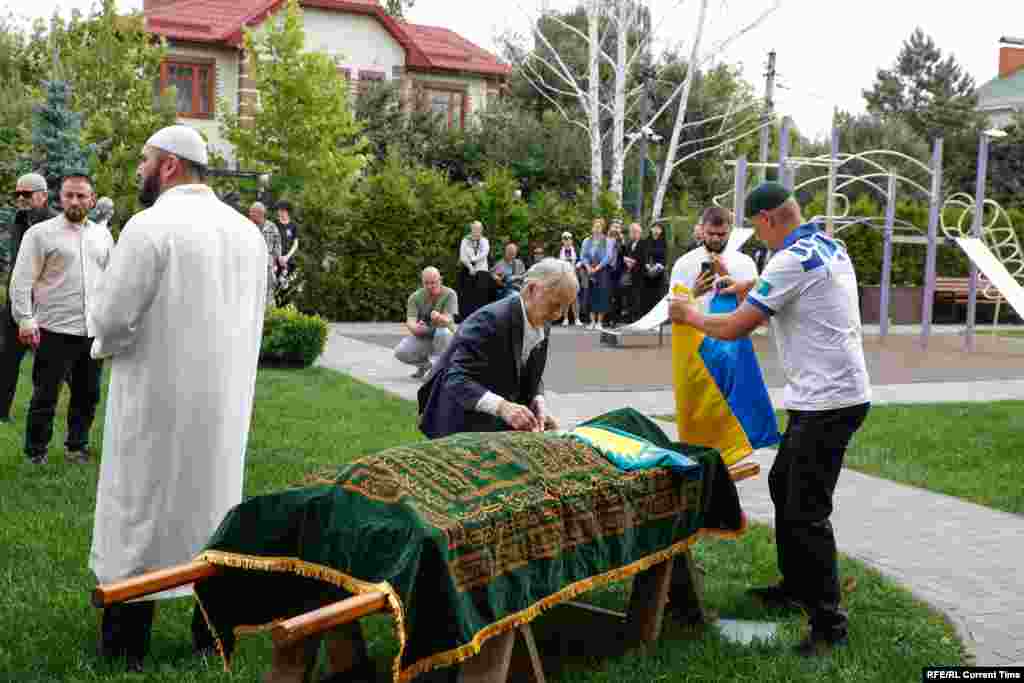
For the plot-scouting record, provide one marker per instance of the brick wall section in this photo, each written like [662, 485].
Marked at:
[1011, 60]
[248, 97]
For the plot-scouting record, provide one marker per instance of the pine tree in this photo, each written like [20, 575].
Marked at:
[57, 137]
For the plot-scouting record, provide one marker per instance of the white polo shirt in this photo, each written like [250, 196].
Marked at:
[809, 289]
[687, 269]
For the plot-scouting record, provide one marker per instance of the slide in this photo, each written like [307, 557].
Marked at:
[995, 271]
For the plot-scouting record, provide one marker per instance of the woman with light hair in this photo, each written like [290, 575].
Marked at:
[474, 283]
[596, 256]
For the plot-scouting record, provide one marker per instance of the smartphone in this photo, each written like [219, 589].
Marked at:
[705, 267]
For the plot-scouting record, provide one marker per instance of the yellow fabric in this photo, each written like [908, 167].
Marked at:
[703, 416]
[610, 441]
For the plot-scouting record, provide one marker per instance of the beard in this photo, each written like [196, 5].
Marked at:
[150, 190]
[75, 214]
[717, 248]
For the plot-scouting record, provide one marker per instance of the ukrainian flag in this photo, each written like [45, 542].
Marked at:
[721, 398]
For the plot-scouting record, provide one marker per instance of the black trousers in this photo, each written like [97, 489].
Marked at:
[11, 353]
[61, 356]
[126, 630]
[802, 482]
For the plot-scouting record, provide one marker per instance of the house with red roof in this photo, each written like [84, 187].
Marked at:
[206, 61]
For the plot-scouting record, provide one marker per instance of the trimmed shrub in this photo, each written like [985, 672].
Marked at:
[292, 338]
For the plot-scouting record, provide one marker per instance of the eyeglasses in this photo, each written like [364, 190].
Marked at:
[22, 194]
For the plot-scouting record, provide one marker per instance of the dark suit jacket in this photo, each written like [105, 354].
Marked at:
[483, 356]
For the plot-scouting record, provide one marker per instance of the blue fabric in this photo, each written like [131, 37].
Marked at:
[734, 367]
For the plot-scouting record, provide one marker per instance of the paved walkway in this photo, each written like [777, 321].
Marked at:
[962, 558]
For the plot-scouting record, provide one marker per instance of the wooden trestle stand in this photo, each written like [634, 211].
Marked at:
[297, 640]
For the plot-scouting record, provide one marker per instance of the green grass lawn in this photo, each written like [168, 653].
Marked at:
[968, 450]
[308, 419]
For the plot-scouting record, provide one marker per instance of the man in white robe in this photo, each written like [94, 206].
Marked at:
[180, 315]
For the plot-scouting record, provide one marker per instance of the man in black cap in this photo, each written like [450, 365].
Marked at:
[809, 292]
[30, 199]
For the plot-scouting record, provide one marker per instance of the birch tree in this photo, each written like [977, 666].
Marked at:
[625, 40]
[672, 156]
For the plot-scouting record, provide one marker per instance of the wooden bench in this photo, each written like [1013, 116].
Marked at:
[954, 291]
[511, 656]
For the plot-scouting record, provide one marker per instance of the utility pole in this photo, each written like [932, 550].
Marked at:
[766, 118]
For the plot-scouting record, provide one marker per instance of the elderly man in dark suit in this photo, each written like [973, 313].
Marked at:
[490, 377]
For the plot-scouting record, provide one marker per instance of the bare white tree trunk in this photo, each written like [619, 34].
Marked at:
[671, 160]
[625, 24]
[684, 99]
[594, 100]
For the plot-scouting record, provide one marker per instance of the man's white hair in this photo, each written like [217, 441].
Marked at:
[104, 208]
[552, 272]
[259, 206]
[430, 270]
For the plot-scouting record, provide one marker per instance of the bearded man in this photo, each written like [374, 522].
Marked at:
[707, 268]
[180, 315]
[60, 262]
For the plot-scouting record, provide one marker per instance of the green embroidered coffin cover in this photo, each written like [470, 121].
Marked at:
[469, 536]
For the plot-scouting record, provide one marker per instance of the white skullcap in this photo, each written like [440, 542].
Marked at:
[181, 141]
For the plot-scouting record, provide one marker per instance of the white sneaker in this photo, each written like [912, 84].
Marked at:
[599, 327]
[579, 323]
[565, 323]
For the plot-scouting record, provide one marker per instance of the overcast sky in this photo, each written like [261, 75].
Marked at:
[827, 50]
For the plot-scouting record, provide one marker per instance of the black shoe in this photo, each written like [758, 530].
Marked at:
[775, 597]
[818, 645]
[40, 459]
[5, 420]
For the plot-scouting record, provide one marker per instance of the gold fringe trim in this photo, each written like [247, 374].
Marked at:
[449, 657]
[293, 565]
[573, 590]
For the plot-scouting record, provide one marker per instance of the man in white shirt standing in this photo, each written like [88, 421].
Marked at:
[54, 281]
[707, 268]
[809, 292]
[180, 315]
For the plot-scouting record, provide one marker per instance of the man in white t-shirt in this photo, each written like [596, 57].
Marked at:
[809, 292]
[708, 268]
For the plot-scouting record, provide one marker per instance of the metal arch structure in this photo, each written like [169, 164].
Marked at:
[837, 221]
[997, 232]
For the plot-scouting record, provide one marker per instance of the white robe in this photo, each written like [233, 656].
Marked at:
[180, 314]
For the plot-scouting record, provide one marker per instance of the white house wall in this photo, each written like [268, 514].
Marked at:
[356, 41]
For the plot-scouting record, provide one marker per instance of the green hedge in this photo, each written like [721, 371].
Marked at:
[292, 338]
[361, 256]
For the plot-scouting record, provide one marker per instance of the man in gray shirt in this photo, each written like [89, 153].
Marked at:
[430, 318]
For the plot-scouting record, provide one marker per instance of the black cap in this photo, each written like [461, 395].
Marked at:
[766, 196]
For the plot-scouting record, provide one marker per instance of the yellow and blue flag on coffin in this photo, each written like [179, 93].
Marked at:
[721, 398]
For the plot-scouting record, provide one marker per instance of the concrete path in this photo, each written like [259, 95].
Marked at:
[962, 558]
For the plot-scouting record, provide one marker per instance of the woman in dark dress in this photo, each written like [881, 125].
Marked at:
[654, 274]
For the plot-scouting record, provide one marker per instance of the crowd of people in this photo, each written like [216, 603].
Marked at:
[621, 276]
[176, 307]
[807, 292]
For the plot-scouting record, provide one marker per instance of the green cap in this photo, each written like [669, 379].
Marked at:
[766, 196]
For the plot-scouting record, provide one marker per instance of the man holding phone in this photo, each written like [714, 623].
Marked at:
[430, 319]
[708, 268]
